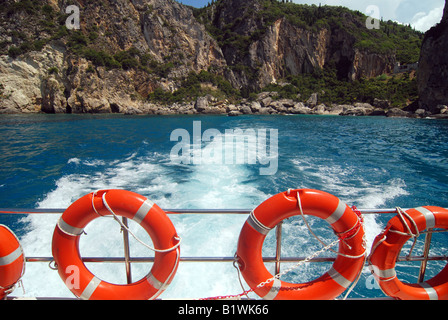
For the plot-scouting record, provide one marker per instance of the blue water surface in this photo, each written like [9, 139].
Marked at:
[371, 162]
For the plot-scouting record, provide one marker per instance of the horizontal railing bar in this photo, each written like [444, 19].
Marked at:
[31, 211]
[221, 259]
[168, 211]
[182, 259]
[421, 258]
[180, 211]
[208, 259]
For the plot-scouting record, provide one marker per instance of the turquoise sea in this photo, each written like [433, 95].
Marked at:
[49, 161]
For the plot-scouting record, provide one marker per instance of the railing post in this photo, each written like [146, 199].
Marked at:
[424, 263]
[278, 251]
[127, 253]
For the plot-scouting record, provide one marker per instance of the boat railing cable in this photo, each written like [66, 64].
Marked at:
[277, 259]
[179, 211]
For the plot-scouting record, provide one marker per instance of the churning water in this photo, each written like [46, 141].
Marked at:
[49, 161]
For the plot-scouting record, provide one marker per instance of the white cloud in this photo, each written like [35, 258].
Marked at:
[424, 21]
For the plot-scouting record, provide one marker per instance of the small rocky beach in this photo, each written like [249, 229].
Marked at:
[267, 103]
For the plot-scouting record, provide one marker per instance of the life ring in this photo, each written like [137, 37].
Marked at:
[12, 261]
[127, 204]
[387, 247]
[344, 221]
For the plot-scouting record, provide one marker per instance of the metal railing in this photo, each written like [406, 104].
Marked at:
[278, 259]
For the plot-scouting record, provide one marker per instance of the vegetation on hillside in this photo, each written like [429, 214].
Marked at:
[44, 25]
[400, 89]
[197, 85]
[391, 38]
[42, 21]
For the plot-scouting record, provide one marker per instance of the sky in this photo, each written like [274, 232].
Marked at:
[421, 14]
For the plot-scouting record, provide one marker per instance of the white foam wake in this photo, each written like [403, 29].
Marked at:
[351, 186]
[170, 186]
[209, 185]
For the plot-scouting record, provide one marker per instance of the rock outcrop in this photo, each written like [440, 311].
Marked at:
[170, 29]
[57, 78]
[433, 67]
[32, 83]
[285, 48]
[126, 50]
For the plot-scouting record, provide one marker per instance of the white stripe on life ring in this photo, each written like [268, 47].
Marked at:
[143, 211]
[276, 286]
[337, 214]
[339, 278]
[68, 229]
[90, 288]
[10, 258]
[432, 293]
[429, 217]
[257, 225]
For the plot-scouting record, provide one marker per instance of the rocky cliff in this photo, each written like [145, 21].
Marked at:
[122, 52]
[128, 50]
[433, 68]
[274, 45]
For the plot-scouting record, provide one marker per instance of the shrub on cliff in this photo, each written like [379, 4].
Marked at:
[194, 86]
[128, 59]
[77, 41]
[398, 89]
[28, 6]
[101, 58]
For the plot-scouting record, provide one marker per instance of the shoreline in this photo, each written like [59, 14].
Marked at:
[265, 104]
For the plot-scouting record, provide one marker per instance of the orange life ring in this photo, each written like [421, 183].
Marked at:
[266, 216]
[387, 247]
[127, 204]
[12, 261]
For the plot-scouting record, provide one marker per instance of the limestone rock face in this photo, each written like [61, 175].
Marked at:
[53, 99]
[287, 48]
[170, 28]
[32, 80]
[433, 67]
[46, 68]
[54, 79]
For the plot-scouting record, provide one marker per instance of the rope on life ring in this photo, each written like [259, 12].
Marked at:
[345, 223]
[152, 218]
[387, 247]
